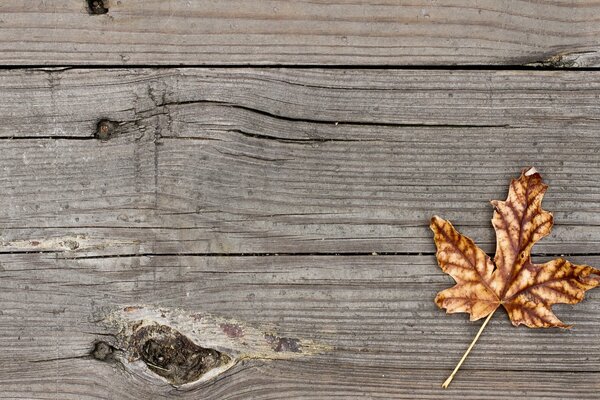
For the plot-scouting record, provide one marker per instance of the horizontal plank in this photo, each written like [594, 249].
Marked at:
[289, 161]
[320, 104]
[90, 380]
[375, 316]
[383, 32]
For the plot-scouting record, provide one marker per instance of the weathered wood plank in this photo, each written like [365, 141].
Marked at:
[289, 161]
[376, 314]
[383, 32]
[260, 381]
[365, 104]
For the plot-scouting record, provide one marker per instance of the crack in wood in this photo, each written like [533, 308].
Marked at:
[323, 121]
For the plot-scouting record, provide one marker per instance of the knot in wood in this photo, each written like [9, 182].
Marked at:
[105, 129]
[102, 351]
[97, 7]
[172, 355]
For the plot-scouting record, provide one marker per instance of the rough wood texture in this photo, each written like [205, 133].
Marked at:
[289, 161]
[376, 313]
[205, 164]
[343, 32]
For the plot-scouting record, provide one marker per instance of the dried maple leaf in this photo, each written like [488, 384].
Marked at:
[526, 290]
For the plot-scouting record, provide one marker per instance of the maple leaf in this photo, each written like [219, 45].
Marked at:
[526, 290]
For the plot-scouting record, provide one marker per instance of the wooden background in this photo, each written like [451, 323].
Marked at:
[276, 163]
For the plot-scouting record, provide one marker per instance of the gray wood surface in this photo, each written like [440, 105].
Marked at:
[328, 168]
[386, 338]
[317, 32]
[289, 161]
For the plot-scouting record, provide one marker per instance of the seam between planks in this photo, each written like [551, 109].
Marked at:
[473, 67]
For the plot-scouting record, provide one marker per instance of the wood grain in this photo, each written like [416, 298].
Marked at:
[289, 161]
[294, 201]
[342, 32]
[326, 166]
[386, 336]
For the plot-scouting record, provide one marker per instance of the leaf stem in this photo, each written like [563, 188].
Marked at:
[447, 381]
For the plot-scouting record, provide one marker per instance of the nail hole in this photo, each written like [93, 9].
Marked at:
[172, 355]
[105, 129]
[97, 7]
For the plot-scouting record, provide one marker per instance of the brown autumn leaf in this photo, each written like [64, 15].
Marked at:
[526, 290]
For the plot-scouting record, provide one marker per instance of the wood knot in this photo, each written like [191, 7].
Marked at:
[103, 351]
[172, 355]
[187, 349]
[105, 129]
[97, 7]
